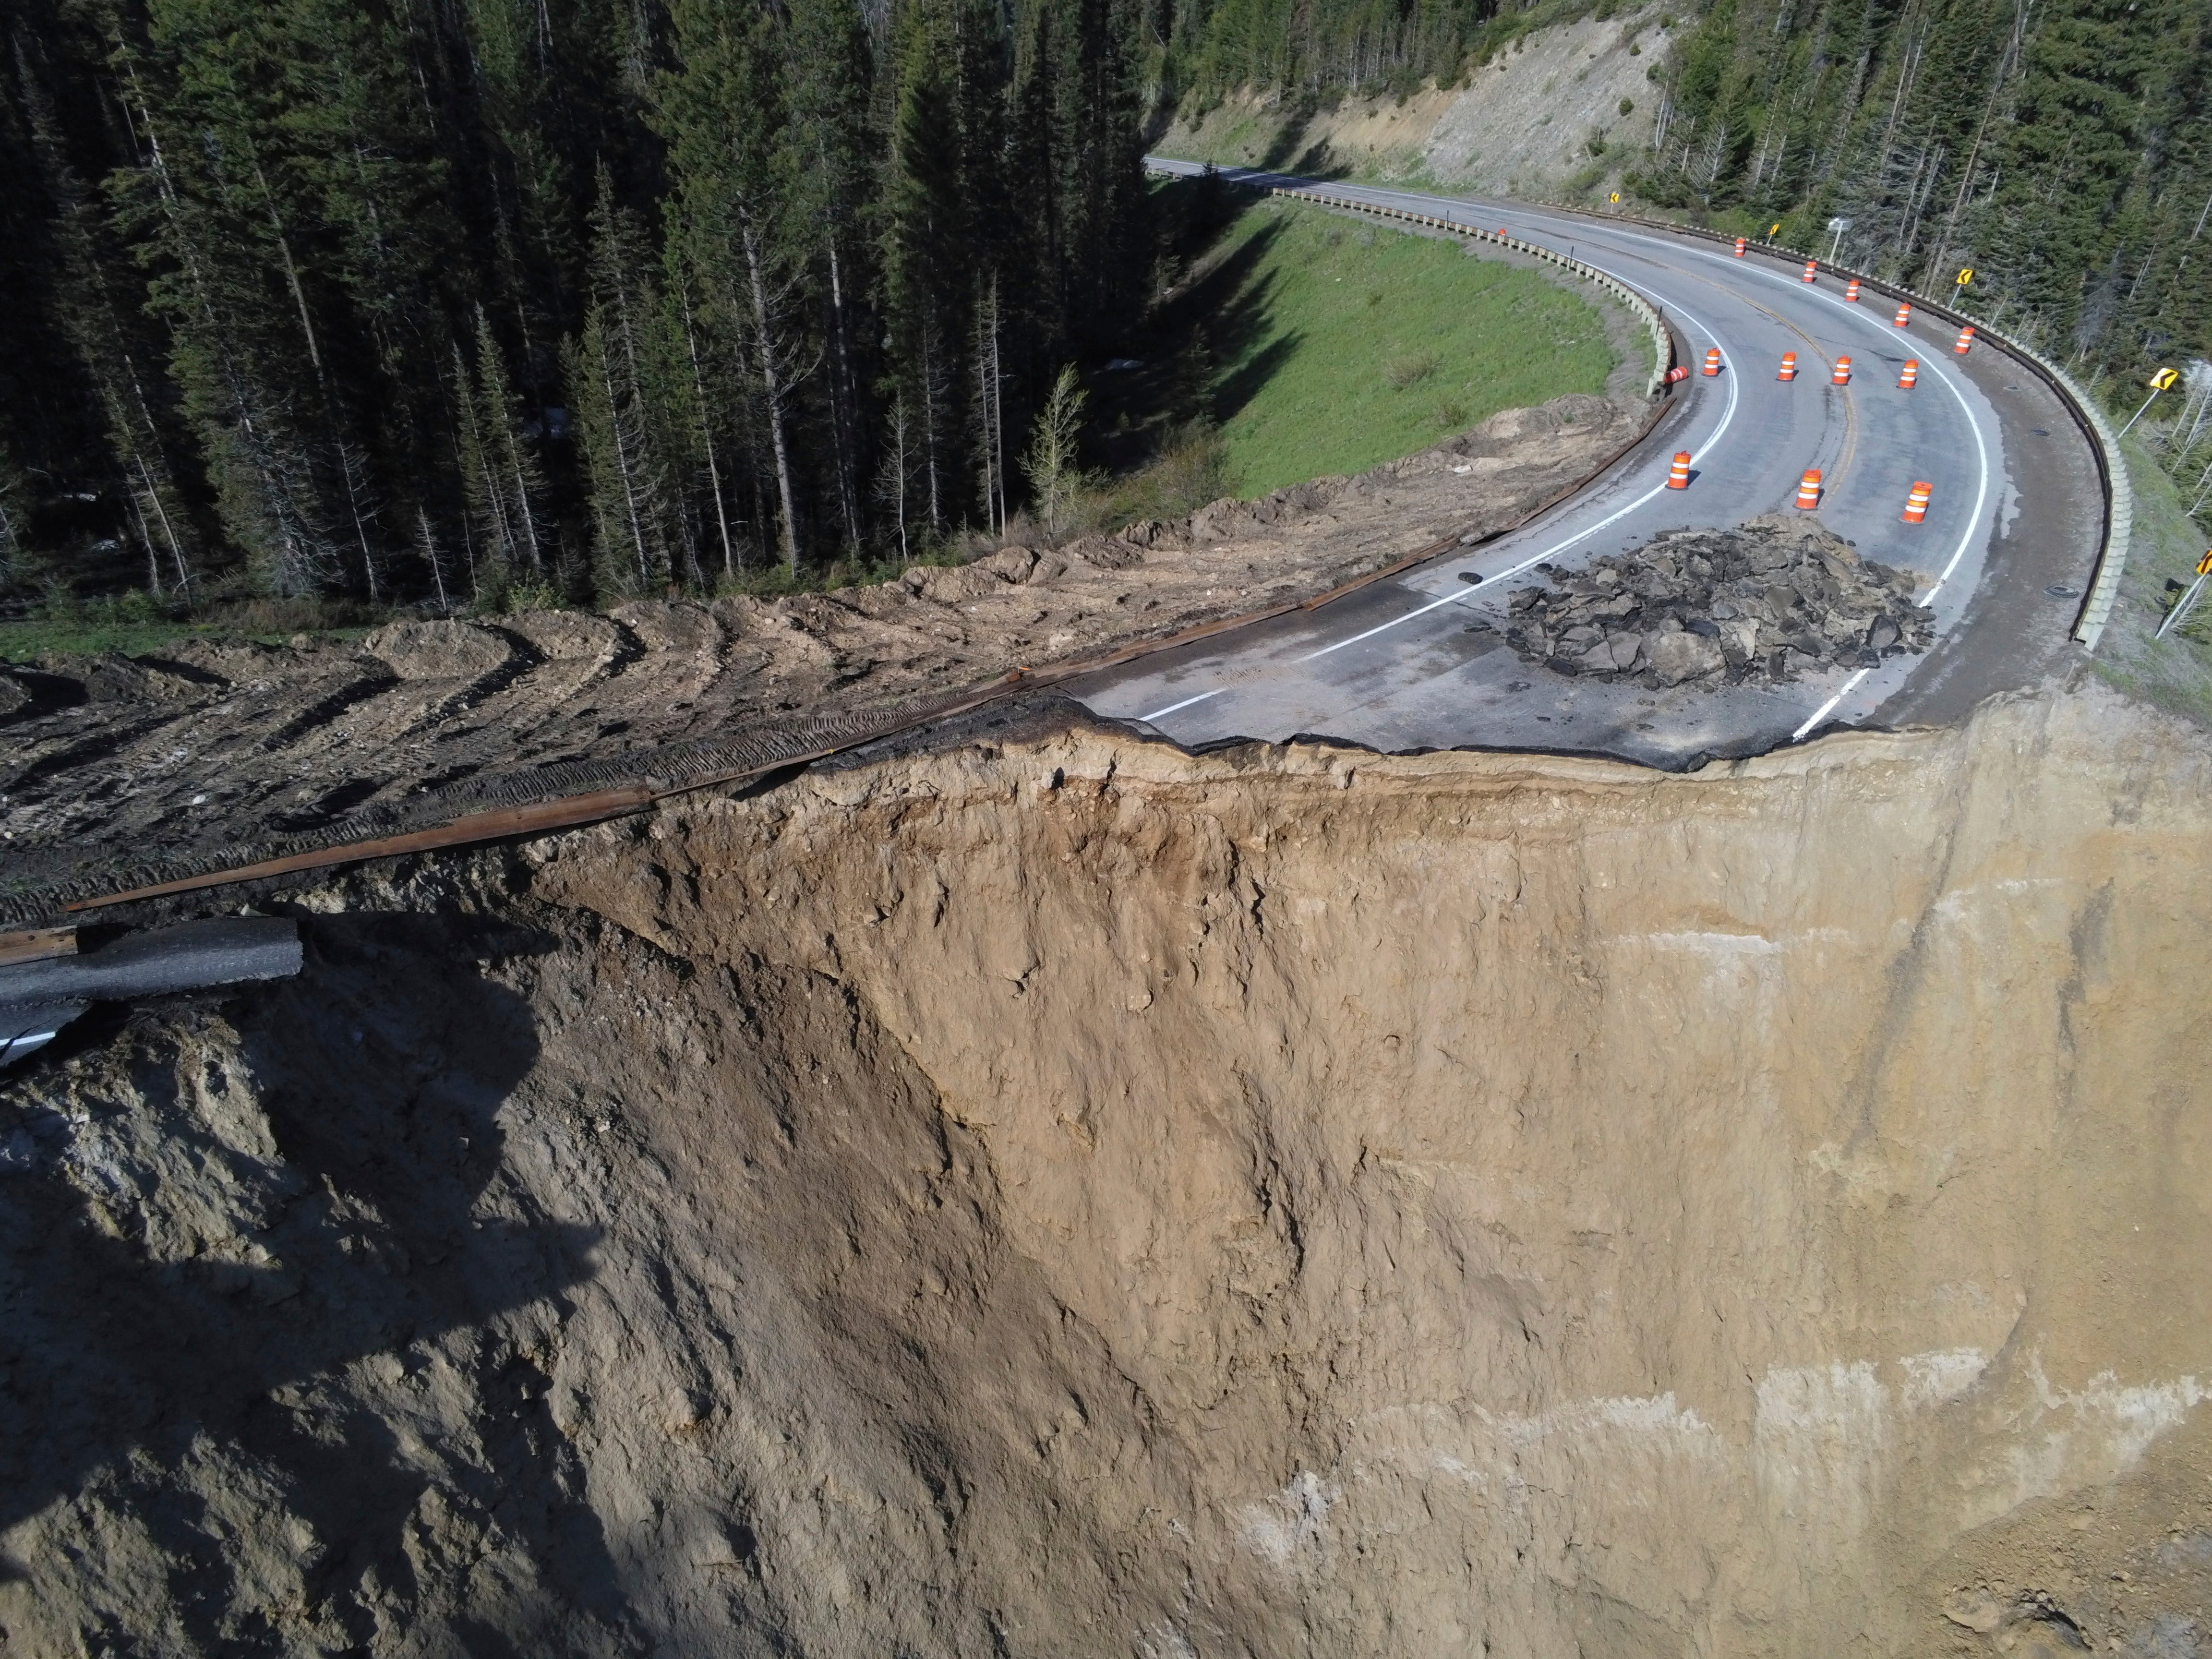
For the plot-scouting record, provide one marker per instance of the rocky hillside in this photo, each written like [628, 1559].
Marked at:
[1562, 107]
[1066, 1196]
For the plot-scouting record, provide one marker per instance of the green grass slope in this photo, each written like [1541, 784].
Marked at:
[1336, 345]
[2174, 673]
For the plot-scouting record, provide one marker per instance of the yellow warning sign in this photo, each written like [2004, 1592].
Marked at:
[1616, 197]
[2163, 378]
[1774, 229]
[1965, 276]
[2204, 565]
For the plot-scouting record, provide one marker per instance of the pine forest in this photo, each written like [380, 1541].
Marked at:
[502, 301]
[463, 301]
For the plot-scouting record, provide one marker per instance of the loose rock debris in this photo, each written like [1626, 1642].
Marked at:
[1759, 605]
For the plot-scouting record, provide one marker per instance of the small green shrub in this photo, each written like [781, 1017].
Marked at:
[1411, 370]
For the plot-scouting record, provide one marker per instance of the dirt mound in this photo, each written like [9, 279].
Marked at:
[110, 764]
[1758, 605]
[1067, 1196]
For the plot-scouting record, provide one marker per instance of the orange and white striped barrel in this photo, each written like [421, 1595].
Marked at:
[1812, 269]
[1851, 290]
[1910, 374]
[1713, 361]
[1843, 374]
[1740, 244]
[1809, 488]
[1904, 313]
[1965, 339]
[1789, 370]
[1678, 476]
[1681, 372]
[1915, 501]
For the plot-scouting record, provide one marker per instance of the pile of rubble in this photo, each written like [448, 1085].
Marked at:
[1759, 606]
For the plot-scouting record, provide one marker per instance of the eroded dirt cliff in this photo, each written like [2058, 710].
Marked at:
[1071, 1197]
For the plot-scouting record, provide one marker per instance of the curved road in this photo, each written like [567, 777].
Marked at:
[2004, 556]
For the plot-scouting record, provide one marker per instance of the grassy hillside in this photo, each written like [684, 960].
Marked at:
[1334, 345]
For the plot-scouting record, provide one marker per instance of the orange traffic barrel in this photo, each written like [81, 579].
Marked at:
[1843, 374]
[1965, 339]
[1809, 488]
[1679, 373]
[1911, 374]
[1713, 361]
[1852, 292]
[1789, 371]
[1904, 313]
[1811, 267]
[1678, 476]
[1916, 503]
[1740, 244]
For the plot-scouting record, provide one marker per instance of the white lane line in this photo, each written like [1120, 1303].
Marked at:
[1728, 414]
[1872, 320]
[1973, 425]
[1158, 713]
[1821, 713]
[1869, 318]
[1973, 422]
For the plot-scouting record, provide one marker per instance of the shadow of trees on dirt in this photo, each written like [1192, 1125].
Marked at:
[134, 1350]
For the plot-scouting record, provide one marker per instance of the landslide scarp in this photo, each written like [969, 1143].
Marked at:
[1065, 1195]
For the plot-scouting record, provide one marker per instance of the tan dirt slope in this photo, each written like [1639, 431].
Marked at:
[1070, 1197]
[1519, 125]
[220, 745]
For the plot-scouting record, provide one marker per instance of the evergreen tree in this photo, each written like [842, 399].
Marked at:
[610, 371]
[733, 206]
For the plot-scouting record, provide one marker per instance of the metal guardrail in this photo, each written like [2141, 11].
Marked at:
[1655, 325]
[2104, 442]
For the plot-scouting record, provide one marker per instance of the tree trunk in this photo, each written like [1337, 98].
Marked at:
[706, 429]
[772, 382]
[844, 407]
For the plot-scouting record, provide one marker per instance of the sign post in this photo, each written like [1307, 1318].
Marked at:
[2187, 602]
[2159, 382]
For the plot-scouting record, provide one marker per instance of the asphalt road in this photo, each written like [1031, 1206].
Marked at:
[2004, 557]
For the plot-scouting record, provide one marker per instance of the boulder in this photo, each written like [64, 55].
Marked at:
[1011, 564]
[1684, 656]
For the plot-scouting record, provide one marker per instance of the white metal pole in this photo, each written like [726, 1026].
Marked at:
[2138, 415]
[2182, 607]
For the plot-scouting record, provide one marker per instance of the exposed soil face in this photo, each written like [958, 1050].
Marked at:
[1070, 1196]
[112, 759]
[1560, 108]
